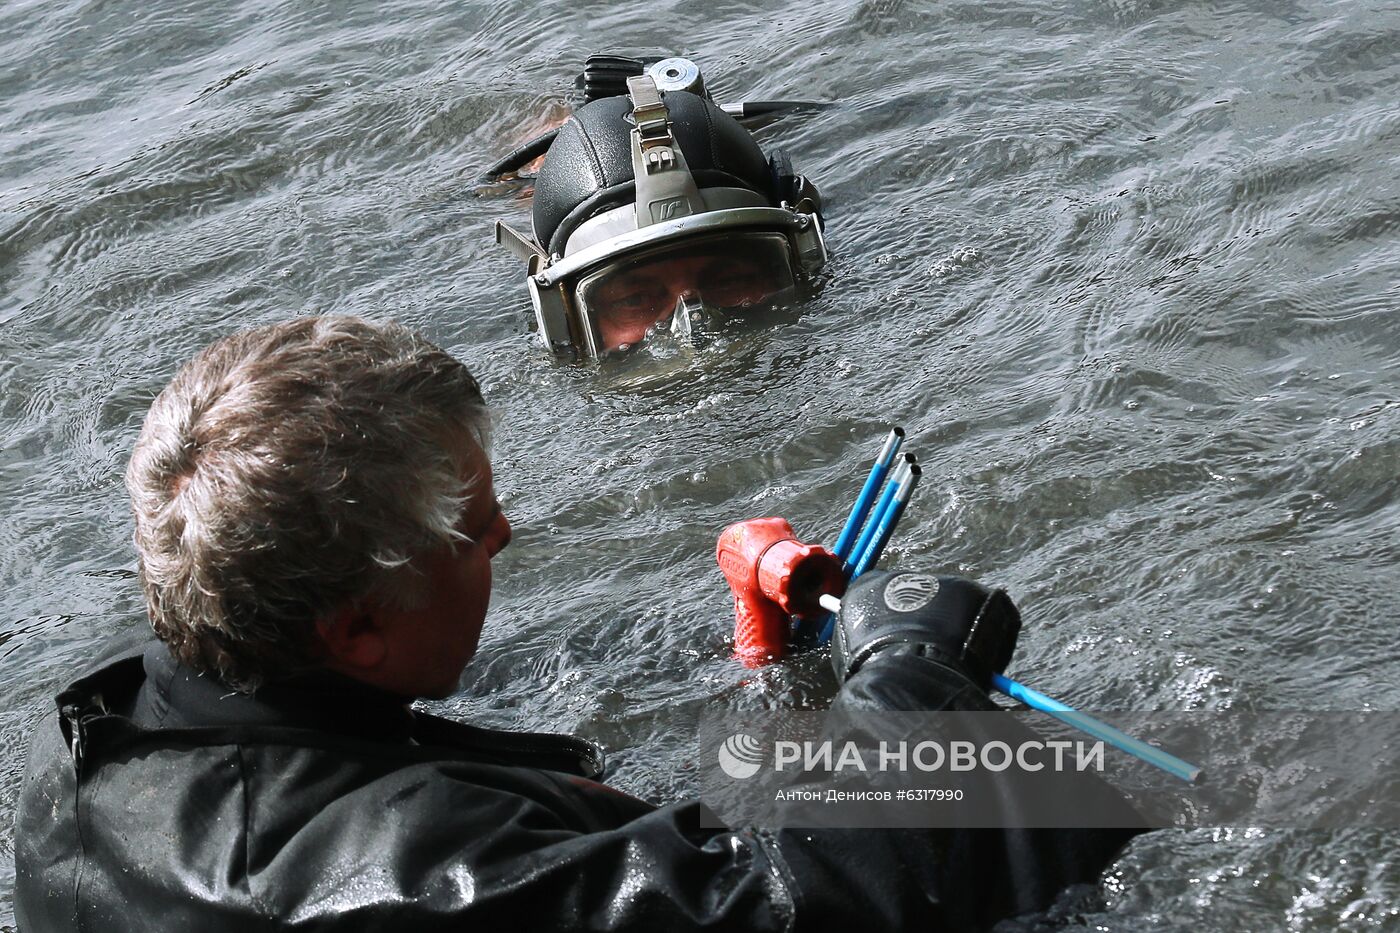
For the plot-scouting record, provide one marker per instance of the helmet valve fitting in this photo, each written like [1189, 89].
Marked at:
[678, 74]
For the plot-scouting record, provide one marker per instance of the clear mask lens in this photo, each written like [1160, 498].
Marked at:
[683, 284]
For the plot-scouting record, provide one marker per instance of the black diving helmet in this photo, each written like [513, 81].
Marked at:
[654, 207]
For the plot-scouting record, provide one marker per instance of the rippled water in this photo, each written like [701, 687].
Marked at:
[1126, 271]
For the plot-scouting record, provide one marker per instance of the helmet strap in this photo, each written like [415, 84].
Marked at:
[665, 188]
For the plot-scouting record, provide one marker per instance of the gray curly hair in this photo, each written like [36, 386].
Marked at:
[287, 471]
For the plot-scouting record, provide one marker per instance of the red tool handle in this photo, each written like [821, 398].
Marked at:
[773, 576]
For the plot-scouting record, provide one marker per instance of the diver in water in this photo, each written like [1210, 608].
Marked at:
[655, 208]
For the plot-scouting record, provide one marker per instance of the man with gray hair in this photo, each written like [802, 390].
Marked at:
[315, 523]
[301, 468]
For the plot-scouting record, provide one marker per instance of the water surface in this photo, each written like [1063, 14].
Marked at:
[1126, 272]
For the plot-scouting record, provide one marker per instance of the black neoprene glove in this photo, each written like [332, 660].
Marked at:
[955, 621]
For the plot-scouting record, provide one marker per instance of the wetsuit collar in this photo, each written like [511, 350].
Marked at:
[174, 696]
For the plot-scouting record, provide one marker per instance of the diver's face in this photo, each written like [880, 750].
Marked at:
[631, 303]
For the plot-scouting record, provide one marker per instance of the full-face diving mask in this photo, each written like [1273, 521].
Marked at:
[658, 248]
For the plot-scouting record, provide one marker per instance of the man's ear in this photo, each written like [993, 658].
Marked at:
[352, 639]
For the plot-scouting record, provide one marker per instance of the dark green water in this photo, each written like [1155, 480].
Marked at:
[1126, 271]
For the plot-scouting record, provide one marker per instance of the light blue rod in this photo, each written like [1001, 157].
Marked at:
[888, 520]
[872, 527]
[867, 494]
[1099, 730]
[881, 517]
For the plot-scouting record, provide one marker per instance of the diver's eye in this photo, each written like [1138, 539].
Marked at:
[633, 300]
[635, 306]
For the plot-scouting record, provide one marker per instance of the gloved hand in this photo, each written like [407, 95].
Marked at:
[962, 624]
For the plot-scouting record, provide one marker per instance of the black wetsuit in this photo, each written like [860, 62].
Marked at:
[158, 800]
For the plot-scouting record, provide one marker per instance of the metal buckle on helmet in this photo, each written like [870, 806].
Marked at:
[649, 114]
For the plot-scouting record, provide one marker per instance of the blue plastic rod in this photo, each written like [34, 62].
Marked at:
[879, 518]
[1099, 730]
[888, 520]
[867, 494]
[872, 527]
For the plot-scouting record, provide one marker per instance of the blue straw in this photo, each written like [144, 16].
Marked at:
[1099, 730]
[888, 520]
[872, 527]
[867, 493]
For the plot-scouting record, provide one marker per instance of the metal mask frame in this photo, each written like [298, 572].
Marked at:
[563, 326]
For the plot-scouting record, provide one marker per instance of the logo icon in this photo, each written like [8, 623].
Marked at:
[740, 756]
[909, 592]
[669, 209]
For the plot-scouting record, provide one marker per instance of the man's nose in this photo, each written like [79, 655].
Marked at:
[498, 536]
[687, 281]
